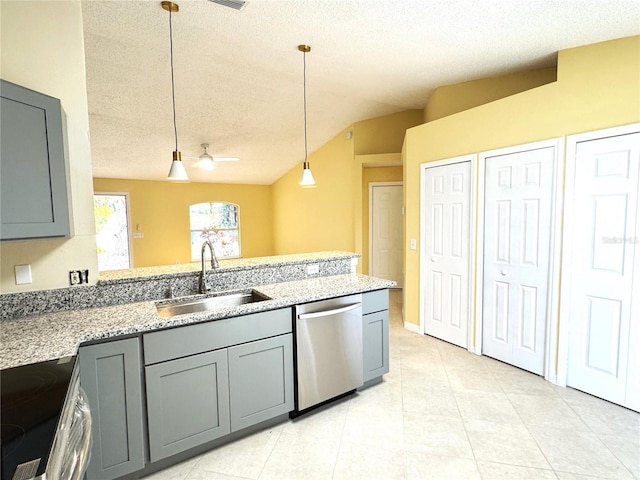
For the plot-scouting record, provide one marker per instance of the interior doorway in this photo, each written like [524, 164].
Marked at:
[385, 231]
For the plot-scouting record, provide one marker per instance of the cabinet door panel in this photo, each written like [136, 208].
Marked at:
[32, 165]
[187, 402]
[375, 337]
[110, 376]
[260, 380]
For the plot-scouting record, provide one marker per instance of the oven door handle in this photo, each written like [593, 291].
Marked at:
[327, 313]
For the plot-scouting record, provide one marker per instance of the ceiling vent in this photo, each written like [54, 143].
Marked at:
[236, 4]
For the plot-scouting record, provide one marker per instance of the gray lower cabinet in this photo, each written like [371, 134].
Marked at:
[260, 380]
[209, 379]
[375, 334]
[33, 193]
[187, 402]
[110, 374]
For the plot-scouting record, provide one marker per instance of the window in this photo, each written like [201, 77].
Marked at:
[112, 231]
[218, 222]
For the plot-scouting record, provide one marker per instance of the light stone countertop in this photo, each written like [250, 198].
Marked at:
[50, 336]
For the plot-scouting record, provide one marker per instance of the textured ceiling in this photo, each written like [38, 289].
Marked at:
[238, 74]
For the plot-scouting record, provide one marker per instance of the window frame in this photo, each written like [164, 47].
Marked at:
[195, 255]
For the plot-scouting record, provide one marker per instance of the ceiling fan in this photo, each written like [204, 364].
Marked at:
[206, 162]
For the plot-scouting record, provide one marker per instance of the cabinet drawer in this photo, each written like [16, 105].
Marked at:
[375, 301]
[204, 337]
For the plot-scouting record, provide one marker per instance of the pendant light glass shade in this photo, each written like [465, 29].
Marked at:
[307, 179]
[177, 172]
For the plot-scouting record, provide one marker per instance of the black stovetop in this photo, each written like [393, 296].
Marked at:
[32, 400]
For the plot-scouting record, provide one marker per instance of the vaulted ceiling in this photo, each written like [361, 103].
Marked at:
[239, 75]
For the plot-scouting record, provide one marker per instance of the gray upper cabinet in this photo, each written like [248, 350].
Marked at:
[375, 334]
[33, 171]
[110, 376]
[260, 380]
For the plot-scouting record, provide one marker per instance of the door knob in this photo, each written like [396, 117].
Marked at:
[433, 259]
[503, 272]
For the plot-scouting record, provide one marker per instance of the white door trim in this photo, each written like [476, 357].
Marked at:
[554, 267]
[371, 187]
[568, 237]
[472, 159]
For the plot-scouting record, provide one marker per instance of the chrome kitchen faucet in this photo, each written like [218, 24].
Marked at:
[204, 287]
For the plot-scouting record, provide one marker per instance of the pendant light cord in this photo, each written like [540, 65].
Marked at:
[173, 88]
[304, 94]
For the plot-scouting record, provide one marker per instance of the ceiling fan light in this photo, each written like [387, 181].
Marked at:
[178, 173]
[206, 162]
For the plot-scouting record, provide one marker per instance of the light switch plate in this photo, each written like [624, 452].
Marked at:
[23, 274]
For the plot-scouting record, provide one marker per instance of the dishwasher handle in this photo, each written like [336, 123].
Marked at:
[326, 313]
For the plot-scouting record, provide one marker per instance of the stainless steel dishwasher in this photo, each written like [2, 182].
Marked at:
[328, 350]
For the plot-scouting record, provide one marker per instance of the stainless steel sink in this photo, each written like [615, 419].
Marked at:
[193, 305]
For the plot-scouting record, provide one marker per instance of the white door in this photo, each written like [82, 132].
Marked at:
[385, 244]
[516, 256]
[604, 324]
[446, 252]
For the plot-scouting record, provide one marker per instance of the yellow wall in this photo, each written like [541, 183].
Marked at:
[450, 99]
[160, 211]
[598, 87]
[318, 218]
[330, 216]
[43, 49]
[370, 175]
[384, 134]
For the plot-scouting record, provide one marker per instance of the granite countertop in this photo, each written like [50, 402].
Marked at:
[50, 336]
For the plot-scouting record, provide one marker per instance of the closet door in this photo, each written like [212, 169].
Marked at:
[446, 245]
[604, 323]
[517, 219]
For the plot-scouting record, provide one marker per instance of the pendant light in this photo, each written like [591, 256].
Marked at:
[177, 172]
[307, 179]
[206, 161]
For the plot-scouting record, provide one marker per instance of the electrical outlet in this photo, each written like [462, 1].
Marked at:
[78, 277]
[74, 277]
[313, 269]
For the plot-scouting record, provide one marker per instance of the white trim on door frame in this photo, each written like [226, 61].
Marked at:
[554, 268]
[379, 184]
[473, 213]
[567, 241]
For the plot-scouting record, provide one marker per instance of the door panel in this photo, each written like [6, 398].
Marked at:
[447, 216]
[516, 256]
[603, 325]
[386, 232]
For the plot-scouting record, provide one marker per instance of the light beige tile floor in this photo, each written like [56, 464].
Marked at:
[441, 413]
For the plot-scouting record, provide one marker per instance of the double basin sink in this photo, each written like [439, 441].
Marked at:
[195, 304]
